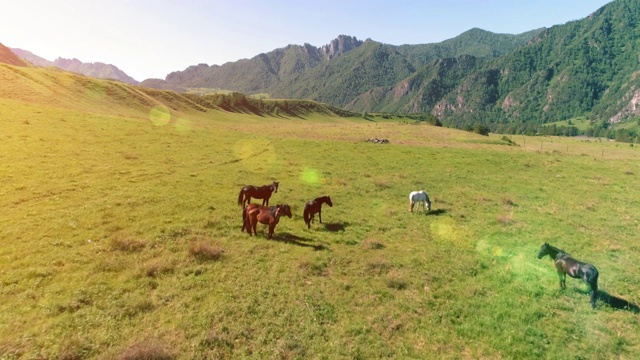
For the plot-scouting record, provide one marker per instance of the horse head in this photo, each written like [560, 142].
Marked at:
[285, 209]
[275, 186]
[329, 201]
[544, 250]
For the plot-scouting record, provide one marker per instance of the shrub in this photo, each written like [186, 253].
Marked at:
[147, 350]
[372, 245]
[378, 266]
[127, 244]
[204, 251]
[481, 129]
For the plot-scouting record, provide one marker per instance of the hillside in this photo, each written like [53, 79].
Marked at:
[421, 91]
[582, 68]
[9, 57]
[97, 69]
[475, 42]
[70, 91]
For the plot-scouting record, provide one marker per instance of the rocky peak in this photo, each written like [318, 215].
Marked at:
[341, 45]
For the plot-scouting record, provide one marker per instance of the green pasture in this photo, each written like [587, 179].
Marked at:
[582, 123]
[120, 239]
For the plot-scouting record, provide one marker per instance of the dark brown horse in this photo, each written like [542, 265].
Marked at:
[258, 192]
[565, 264]
[315, 206]
[268, 215]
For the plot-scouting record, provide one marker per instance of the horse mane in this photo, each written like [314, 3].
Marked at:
[557, 250]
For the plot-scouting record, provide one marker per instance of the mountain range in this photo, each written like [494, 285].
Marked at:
[97, 70]
[509, 83]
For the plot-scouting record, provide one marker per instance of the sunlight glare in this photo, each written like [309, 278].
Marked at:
[159, 115]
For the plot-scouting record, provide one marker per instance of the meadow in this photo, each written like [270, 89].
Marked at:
[120, 235]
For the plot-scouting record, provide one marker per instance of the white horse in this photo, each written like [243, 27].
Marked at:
[419, 196]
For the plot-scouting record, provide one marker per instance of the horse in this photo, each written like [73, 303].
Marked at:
[315, 206]
[268, 215]
[565, 264]
[258, 192]
[417, 197]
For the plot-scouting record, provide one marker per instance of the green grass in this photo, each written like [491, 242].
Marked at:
[581, 123]
[120, 238]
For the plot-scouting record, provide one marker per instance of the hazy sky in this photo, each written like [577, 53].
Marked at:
[151, 38]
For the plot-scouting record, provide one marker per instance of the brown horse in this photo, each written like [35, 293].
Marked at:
[268, 215]
[565, 264]
[315, 206]
[258, 192]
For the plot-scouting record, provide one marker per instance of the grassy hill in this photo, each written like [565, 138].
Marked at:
[120, 233]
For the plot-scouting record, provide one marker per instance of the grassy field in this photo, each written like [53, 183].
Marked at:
[120, 235]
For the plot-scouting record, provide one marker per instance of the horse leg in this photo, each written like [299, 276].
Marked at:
[562, 278]
[271, 228]
[320, 216]
[411, 206]
[593, 284]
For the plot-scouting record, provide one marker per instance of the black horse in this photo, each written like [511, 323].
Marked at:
[258, 192]
[315, 206]
[565, 264]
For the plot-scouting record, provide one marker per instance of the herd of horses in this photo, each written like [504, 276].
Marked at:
[252, 214]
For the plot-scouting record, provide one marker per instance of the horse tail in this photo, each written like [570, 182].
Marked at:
[241, 197]
[244, 219]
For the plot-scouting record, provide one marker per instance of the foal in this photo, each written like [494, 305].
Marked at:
[315, 206]
[565, 264]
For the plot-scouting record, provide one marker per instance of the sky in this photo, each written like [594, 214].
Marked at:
[152, 38]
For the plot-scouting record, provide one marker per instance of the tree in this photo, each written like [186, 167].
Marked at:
[481, 129]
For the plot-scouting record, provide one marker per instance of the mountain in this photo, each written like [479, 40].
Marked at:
[587, 67]
[476, 42]
[337, 72]
[419, 92]
[584, 68]
[9, 57]
[97, 70]
[259, 73]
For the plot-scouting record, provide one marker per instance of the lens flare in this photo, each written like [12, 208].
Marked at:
[159, 116]
[496, 251]
[257, 155]
[311, 177]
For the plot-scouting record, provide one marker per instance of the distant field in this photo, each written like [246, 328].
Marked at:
[581, 123]
[120, 235]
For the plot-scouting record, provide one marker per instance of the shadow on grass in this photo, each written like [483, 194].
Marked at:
[335, 227]
[436, 212]
[613, 301]
[617, 303]
[296, 240]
